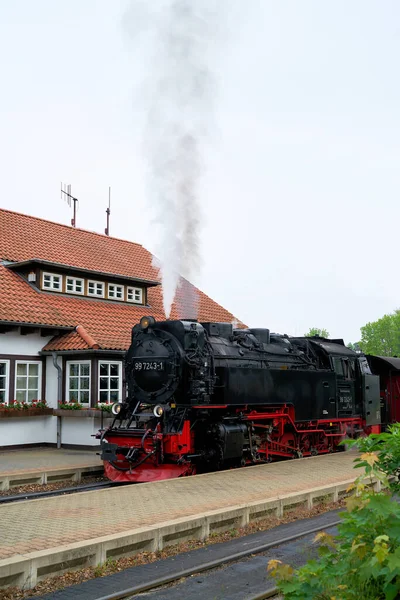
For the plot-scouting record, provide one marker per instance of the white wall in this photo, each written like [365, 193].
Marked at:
[79, 431]
[43, 430]
[32, 430]
[13, 342]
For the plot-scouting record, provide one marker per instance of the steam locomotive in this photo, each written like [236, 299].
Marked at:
[205, 396]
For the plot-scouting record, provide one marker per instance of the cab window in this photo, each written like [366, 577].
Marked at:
[338, 366]
[348, 368]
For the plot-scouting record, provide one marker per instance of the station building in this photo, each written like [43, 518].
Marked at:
[68, 301]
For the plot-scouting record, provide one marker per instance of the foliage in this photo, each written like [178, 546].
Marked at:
[104, 407]
[355, 347]
[16, 405]
[386, 447]
[73, 405]
[382, 337]
[316, 331]
[363, 562]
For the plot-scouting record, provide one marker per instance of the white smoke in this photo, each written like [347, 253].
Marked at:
[179, 91]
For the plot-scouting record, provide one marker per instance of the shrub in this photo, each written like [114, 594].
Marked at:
[363, 561]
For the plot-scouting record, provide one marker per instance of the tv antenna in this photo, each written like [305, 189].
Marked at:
[108, 212]
[66, 190]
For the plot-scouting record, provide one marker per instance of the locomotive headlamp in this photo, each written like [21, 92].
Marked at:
[116, 408]
[158, 411]
[146, 322]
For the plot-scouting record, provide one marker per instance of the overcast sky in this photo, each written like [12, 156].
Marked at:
[301, 184]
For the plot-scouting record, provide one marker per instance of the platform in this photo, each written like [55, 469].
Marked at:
[46, 465]
[41, 538]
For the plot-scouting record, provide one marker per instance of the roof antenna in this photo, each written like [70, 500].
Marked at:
[108, 212]
[66, 190]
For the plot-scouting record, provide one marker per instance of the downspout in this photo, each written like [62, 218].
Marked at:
[59, 395]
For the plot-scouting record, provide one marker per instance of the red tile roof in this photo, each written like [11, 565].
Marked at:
[23, 237]
[102, 323]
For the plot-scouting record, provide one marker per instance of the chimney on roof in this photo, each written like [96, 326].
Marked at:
[108, 212]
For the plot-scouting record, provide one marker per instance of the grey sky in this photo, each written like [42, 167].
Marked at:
[300, 193]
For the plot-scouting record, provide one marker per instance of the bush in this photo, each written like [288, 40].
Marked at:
[363, 561]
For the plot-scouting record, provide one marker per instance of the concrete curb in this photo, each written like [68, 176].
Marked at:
[47, 476]
[26, 570]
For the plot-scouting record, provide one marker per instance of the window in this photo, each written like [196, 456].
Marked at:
[74, 285]
[348, 368]
[52, 282]
[78, 382]
[110, 381]
[338, 366]
[116, 292]
[96, 288]
[28, 376]
[135, 295]
[4, 366]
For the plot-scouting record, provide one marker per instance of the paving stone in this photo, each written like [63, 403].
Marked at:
[51, 522]
[45, 459]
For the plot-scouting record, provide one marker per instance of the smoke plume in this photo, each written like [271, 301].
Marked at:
[179, 92]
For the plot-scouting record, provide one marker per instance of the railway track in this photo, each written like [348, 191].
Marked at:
[223, 561]
[69, 490]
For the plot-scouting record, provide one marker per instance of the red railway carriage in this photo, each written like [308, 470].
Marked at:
[204, 396]
[388, 369]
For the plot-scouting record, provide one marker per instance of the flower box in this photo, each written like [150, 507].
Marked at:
[11, 413]
[85, 412]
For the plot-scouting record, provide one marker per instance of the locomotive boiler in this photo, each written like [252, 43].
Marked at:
[206, 396]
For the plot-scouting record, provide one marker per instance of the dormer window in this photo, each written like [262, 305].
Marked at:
[78, 284]
[115, 292]
[96, 288]
[52, 282]
[74, 285]
[135, 295]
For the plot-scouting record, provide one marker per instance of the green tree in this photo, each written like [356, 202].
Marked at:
[355, 347]
[316, 331]
[382, 337]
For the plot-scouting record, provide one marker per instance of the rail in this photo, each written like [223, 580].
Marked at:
[69, 490]
[161, 581]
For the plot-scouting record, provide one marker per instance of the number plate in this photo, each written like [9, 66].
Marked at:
[156, 365]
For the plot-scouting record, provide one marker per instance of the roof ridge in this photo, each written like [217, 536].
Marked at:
[70, 228]
[90, 341]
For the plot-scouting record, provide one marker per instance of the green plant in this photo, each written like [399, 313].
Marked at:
[17, 405]
[386, 446]
[363, 561]
[73, 405]
[104, 407]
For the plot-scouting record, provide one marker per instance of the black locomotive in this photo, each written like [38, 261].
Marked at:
[206, 396]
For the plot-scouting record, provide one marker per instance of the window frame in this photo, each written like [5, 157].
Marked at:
[109, 362]
[74, 280]
[134, 289]
[52, 288]
[68, 364]
[102, 283]
[40, 370]
[7, 388]
[116, 285]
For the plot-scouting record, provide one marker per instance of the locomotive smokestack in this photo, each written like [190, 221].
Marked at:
[179, 93]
